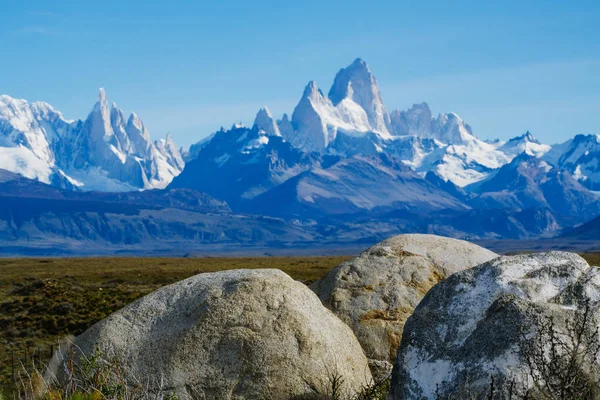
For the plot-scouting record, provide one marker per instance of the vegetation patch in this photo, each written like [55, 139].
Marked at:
[45, 300]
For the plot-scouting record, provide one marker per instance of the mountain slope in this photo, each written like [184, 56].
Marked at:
[261, 173]
[528, 182]
[587, 231]
[355, 185]
[581, 157]
[242, 163]
[36, 218]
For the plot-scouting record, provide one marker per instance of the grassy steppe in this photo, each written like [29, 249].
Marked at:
[44, 300]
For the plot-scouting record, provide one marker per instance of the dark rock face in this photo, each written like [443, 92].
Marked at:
[579, 156]
[242, 163]
[469, 326]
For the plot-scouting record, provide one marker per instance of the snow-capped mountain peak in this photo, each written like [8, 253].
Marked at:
[416, 121]
[356, 75]
[312, 91]
[580, 157]
[309, 120]
[138, 136]
[102, 95]
[529, 137]
[357, 84]
[419, 121]
[285, 126]
[103, 111]
[525, 144]
[106, 151]
[451, 129]
[265, 121]
[99, 120]
[354, 107]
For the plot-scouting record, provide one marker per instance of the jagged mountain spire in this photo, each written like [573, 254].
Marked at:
[98, 122]
[308, 120]
[102, 95]
[285, 127]
[358, 84]
[525, 144]
[264, 120]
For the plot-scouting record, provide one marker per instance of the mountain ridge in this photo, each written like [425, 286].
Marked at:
[340, 165]
[105, 151]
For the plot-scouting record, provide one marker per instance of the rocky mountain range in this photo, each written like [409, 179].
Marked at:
[341, 163]
[107, 151]
[343, 156]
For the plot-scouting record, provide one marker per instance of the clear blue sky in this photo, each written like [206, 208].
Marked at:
[188, 67]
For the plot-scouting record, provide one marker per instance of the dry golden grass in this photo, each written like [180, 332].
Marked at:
[136, 270]
[592, 258]
[44, 300]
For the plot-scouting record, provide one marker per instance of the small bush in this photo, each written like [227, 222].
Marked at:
[376, 391]
[334, 390]
[564, 366]
[99, 377]
[561, 364]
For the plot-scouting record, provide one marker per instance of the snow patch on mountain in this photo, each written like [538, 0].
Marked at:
[25, 162]
[261, 140]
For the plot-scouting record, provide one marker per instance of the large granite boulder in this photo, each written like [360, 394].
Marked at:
[240, 334]
[377, 291]
[497, 320]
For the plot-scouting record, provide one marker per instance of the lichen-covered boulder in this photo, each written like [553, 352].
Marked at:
[240, 334]
[478, 324]
[377, 291]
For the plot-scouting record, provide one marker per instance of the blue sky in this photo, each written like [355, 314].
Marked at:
[189, 67]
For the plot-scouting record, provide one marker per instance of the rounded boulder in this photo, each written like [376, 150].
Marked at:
[506, 328]
[239, 334]
[377, 291]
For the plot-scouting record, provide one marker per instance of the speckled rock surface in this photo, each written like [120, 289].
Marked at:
[377, 291]
[240, 334]
[469, 326]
